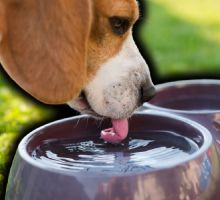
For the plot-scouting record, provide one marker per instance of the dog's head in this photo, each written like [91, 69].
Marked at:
[76, 52]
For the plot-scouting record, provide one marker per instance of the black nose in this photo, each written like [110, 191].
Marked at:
[147, 93]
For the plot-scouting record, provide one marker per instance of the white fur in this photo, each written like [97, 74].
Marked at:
[115, 90]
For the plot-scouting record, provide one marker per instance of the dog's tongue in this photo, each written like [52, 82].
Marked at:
[117, 133]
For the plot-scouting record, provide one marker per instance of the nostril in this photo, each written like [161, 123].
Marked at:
[147, 93]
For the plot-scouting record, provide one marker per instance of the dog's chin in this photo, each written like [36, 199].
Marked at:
[82, 105]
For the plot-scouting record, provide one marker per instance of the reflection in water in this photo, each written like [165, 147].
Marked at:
[143, 152]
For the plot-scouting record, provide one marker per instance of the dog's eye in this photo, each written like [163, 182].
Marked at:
[119, 25]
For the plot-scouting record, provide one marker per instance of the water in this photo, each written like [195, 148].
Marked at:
[193, 103]
[143, 152]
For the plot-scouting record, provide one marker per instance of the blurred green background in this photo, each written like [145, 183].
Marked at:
[17, 115]
[182, 37]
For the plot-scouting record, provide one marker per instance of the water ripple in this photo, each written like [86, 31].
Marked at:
[142, 152]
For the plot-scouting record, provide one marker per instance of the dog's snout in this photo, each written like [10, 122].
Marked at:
[147, 93]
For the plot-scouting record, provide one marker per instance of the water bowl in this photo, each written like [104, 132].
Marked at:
[198, 100]
[190, 97]
[165, 157]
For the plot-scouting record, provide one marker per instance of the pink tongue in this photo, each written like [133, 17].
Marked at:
[118, 133]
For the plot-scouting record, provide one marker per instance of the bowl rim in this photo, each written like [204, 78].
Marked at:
[22, 150]
[183, 83]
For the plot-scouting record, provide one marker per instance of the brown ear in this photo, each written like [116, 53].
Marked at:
[44, 45]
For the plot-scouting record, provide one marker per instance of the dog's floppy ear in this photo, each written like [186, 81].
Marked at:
[43, 46]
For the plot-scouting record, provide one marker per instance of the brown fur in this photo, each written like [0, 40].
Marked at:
[51, 49]
[103, 43]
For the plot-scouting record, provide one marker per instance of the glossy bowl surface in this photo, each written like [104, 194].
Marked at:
[200, 96]
[44, 170]
[198, 100]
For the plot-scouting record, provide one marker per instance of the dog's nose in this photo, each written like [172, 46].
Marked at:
[147, 93]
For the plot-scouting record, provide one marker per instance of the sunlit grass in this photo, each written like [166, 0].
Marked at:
[7, 147]
[1, 183]
[197, 11]
[203, 13]
[7, 141]
[183, 36]
[17, 113]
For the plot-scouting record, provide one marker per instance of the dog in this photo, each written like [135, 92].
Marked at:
[77, 52]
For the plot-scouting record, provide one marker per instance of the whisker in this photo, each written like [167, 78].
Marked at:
[87, 121]
[100, 123]
[77, 123]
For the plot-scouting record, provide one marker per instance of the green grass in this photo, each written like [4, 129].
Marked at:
[17, 113]
[183, 36]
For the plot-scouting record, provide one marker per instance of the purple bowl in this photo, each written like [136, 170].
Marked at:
[198, 100]
[187, 97]
[166, 157]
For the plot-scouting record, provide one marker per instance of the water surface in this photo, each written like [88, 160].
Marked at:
[142, 152]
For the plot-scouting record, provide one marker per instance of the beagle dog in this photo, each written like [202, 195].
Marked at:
[79, 52]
